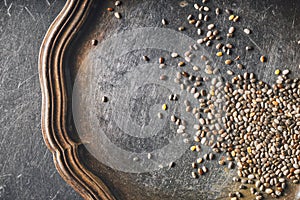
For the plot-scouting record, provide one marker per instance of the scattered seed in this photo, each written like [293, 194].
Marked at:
[231, 30]
[181, 64]
[231, 17]
[285, 72]
[94, 42]
[171, 165]
[219, 54]
[217, 11]
[164, 107]
[248, 48]
[228, 62]
[104, 99]
[205, 8]
[240, 66]
[193, 148]
[206, 18]
[110, 9]
[160, 115]
[210, 26]
[162, 66]
[117, 3]
[194, 175]
[136, 159]
[164, 22]
[262, 59]
[161, 60]
[181, 28]
[247, 31]
[277, 71]
[229, 72]
[117, 15]
[146, 58]
[174, 55]
[236, 18]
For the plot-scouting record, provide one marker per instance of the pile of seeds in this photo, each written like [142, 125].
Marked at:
[255, 125]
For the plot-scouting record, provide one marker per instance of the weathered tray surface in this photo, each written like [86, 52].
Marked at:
[94, 143]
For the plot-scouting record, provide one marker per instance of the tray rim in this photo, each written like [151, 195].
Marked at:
[54, 102]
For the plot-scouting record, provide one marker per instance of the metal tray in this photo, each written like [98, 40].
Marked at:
[101, 148]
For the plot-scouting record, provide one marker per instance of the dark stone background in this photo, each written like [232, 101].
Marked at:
[26, 166]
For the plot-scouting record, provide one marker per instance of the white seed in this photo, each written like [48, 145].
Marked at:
[285, 72]
[251, 176]
[200, 16]
[196, 6]
[200, 41]
[206, 8]
[269, 191]
[217, 11]
[149, 156]
[199, 31]
[210, 26]
[206, 18]
[162, 66]
[164, 22]
[117, 15]
[231, 29]
[136, 159]
[297, 171]
[174, 55]
[160, 115]
[189, 17]
[195, 68]
[247, 31]
[163, 77]
[229, 72]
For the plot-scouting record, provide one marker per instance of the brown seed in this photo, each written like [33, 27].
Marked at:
[263, 59]
[181, 28]
[110, 9]
[185, 74]
[240, 66]
[181, 64]
[228, 62]
[192, 21]
[161, 60]
[200, 171]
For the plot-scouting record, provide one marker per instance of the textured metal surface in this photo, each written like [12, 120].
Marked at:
[26, 165]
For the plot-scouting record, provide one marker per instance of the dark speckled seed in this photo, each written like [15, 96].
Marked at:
[94, 42]
[104, 99]
[146, 58]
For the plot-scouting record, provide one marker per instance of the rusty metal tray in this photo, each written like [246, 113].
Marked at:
[101, 148]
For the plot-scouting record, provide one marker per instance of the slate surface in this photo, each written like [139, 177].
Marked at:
[26, 165]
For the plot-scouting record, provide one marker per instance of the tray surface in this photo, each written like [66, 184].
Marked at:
[110, 141]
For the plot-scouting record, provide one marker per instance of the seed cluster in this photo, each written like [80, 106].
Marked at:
[255, 125]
